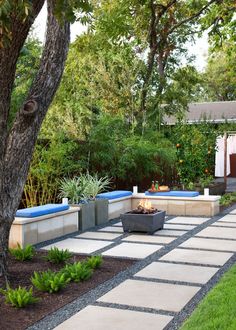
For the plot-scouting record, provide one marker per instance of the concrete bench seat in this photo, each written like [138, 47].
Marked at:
[37, 211]
[174, 193]
[32, 230]
[114, 194]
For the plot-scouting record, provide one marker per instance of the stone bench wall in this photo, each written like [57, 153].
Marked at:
[38, 229]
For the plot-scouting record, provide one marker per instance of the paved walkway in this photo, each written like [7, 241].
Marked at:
[176, 267]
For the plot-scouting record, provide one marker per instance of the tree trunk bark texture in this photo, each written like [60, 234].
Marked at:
[17, 144]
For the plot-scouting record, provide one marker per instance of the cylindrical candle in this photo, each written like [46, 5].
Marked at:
[64, 200]
[206, 191]
[135, 189]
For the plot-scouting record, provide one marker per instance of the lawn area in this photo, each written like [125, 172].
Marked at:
[217, 310]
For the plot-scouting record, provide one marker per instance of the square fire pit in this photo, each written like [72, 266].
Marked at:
[143, 222]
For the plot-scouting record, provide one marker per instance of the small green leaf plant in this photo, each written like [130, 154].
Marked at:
[23, 254]
[19, 297]
[78, 271]
[57, 256]
[94, 262]
[49, 281]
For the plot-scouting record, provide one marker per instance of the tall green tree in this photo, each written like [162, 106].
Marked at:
[17, 141]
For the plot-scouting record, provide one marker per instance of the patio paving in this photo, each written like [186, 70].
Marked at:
[132, 250]
[210, 244]
[197, 257]
[181, 227]
[158, 296]
[178, 272]
[188, 220]
[169, 273]
[116, 319]
[218, 232]
[149, 239]
[115, 229]
[169, 232]
[79, 245]
[99, 235]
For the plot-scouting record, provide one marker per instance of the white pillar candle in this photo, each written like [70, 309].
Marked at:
[135, 189]
[64, 200]
[206, 191]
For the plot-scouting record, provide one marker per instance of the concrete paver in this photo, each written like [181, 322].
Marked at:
[210, 244]
[166, 232]
[218, 232]
[99, 235]
[132, 250]
[178, 272]
[228, 218]
[106, 318]
[197, 257]
[79, 245]
[151, 295]
[181, 227]
[188, 220]
[149, 239]
[115, 229]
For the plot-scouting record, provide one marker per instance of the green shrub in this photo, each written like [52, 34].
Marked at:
[77, 272]
[23, 254]
[19, 297]
[228, 199]
[94, 262]
[57, 256]
[49, 281]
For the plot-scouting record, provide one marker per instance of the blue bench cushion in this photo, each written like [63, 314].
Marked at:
[114, 194]
[174, 193]
[37, 211]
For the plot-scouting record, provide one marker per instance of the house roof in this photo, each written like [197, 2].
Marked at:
[217, 112]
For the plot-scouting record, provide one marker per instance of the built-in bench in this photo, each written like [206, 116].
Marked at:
[119, 201]
[42, 223]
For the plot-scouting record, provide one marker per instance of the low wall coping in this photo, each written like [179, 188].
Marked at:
[115, 200]
[22, 221]
[200, 198]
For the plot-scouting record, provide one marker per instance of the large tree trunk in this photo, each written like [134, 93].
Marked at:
[19, 142]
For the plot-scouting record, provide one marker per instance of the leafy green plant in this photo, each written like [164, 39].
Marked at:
[57, 256]
[76, 272]
[19, 297]
[23, 254]
[94, 262]
[71, 188]
[49, 281]
[93, 185]
[228, 199]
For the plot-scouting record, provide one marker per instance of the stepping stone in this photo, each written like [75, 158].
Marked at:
[169, 232]
[218, 232]
[197, 257]
[228, 218]
[151, 295]
[224, 224]
[188, 220]
[210, 244]
[181, 227]
[99, 235]
[178, 272]
[79, 245]
[119, 224]
[132, 250]
[114, 229]
[233, 212]
[102, 318]
[149, 239]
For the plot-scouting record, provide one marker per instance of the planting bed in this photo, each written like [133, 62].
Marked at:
[17, 319]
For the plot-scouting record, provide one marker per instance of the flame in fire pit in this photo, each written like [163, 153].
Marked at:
[145, 204]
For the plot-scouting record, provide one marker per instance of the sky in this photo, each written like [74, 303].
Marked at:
[199, 49]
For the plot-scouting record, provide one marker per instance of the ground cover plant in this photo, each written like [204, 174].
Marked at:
[217, 310]
[228, 199]
[57, 256]
[20, 273]
[23, 254]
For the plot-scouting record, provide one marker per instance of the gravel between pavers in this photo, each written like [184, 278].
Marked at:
[59, 316]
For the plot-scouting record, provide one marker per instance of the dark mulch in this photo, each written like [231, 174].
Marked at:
[20, 272]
